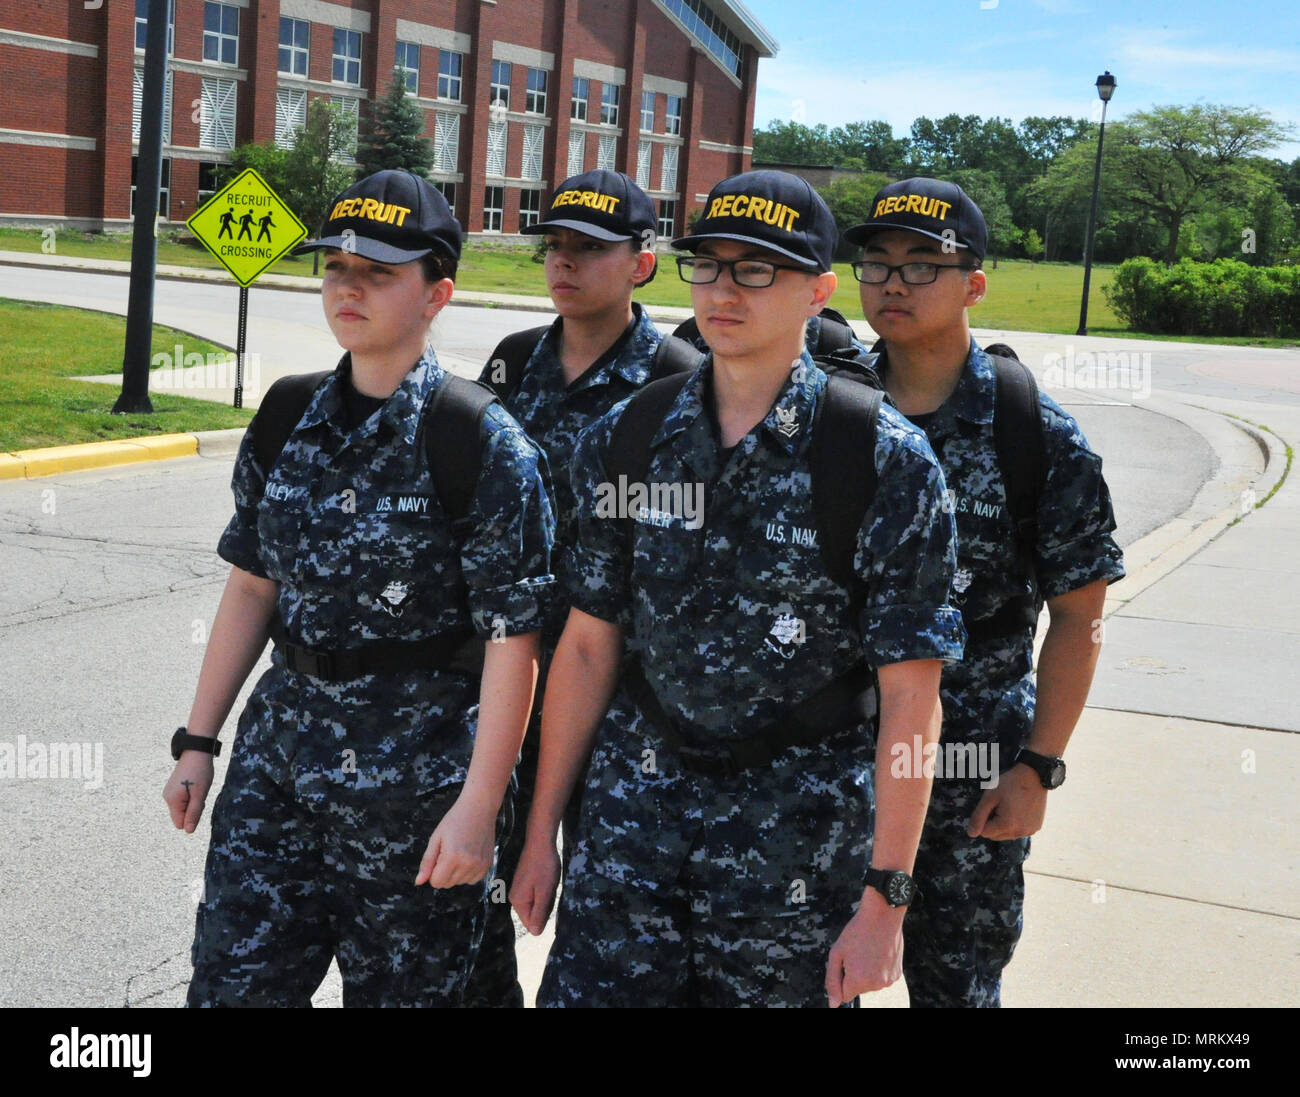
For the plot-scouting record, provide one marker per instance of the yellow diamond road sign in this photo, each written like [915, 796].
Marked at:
[246, 226]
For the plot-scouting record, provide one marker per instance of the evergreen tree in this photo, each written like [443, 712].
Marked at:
[395, 137]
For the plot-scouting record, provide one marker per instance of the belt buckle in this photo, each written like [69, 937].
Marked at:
[712, 763]
[318, 664]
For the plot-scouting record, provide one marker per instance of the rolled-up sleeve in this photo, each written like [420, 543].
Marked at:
[1075, 515]
[506, 556]
[906, 553]
[240, 544]
[597, 566]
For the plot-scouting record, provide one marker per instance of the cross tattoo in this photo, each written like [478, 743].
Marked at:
[187, 784]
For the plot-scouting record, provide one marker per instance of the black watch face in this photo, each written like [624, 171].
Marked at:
[899, 889]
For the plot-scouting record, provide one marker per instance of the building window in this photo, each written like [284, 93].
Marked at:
[577, 152]
[164, 187]
[346, 151]
[643, 165]
[496, 149]
[532, 168]
[667, 218]
[217, 113]
[207, 181]
[535, 97]
[450, 64]
[295, 34]
[500, 92]
[673, 119]
[290, 115]
[609, 105]
[647, 111]
[494, 207]
[142, 24]
[347, 57]
[530, 207]
[712, 33]
[137, 100]
[408, 63]
[605, 152]
[668, 168]
[448, 192]
[221, 33]
[578, 104]
[446, 141]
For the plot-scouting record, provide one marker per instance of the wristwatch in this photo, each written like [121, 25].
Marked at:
[183, 741]
[1051, 771]
[897, 887]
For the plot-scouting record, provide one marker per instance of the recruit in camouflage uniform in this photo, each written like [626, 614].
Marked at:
[338, 779]
[687, 889]
[963, 926]
[554, 412]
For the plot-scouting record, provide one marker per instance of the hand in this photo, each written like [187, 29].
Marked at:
[186, 790]
[536, 878]
[1013, 808]
[461, 847]
[868, 954]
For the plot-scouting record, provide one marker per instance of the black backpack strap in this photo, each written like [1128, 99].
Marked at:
[835, 333]
[844, 472]
[509, 359]
[628, 452]
[674, 355]
[279, 412]
[1019, 443]
[453, 426]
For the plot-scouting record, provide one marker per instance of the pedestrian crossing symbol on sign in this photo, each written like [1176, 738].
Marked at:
[246, 226]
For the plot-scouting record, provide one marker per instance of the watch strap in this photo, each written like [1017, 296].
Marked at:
[183, 741]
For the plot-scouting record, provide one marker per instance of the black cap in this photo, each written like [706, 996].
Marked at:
[603, 204]
[390, 217]
[773, 209]
[942, 211]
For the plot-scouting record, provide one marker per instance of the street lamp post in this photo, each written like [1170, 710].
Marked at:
[1105, 89]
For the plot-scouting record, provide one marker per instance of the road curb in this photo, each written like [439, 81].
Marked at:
[32, 463]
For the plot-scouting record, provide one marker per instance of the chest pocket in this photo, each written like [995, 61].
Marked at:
[401, 553]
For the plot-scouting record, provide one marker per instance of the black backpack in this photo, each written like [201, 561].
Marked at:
[834, 333]
[671, 356]
[451, 421]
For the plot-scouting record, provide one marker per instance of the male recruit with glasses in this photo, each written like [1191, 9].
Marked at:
[922, 251]
[722, 851]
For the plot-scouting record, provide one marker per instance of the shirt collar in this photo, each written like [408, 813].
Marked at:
[976, 393]
[401, 411]
[629, 357]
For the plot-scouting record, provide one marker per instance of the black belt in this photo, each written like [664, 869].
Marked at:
[459, 651]
[1016, 616]
[834, 710]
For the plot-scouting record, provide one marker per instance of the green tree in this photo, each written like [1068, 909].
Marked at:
[849, 199]
[313, 172]
[987, 192]
[794, 143]
[870, 144]
[395, 134]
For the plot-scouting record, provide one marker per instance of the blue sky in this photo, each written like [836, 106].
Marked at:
[847, 60]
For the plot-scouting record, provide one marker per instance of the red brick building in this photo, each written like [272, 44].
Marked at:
[517, 95]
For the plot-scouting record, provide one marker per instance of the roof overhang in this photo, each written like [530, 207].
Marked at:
[748, 29]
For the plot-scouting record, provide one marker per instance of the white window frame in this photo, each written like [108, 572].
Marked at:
[577, 152]
[164, 189]
[446, 141]
[443, 186]
[296, 52]
[673, 122]
[142, 25]
[497, 137]
[219, 37]
[609, 104]
[647, 116]
[348, 38]
[666, 220]
[535, 98]
[290, 115]
[491, 212]
[452, 81]
[412, 72]
[607, 152]
[217, 112]
[499, 92]
[534, 137]
[643, 165]
[578, 102]
[668, 168]
[527, 215]
[137, 101]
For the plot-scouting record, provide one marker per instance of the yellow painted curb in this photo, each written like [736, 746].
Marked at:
[30, 463]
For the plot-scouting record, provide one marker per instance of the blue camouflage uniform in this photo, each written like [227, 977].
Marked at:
[553, 413]
[334, 787]
[962, 929]
[688, 889]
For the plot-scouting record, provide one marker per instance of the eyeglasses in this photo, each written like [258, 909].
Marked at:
[750, 273]
[914, 274]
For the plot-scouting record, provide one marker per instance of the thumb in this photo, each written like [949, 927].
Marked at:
[430, 858]
[835, 978]
[983, 810]
[194, 810]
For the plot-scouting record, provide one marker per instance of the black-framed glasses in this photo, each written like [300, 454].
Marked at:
[750, 273]
[914, 274]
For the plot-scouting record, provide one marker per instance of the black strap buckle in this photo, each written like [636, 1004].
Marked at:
[319, 664]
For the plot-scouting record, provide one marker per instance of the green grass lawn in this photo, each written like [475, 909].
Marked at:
[1023, 296]
[43, 345]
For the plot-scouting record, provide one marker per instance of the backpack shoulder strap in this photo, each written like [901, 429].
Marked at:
[453, 425]
[279, 412]
[674, 355]
[688, 331]
[1019, 443]
[506, 365]
[628, 453]
[843, 470]
[835, 333]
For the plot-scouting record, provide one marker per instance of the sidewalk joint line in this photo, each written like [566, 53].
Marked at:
[1194, 719]
[1167, 895]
